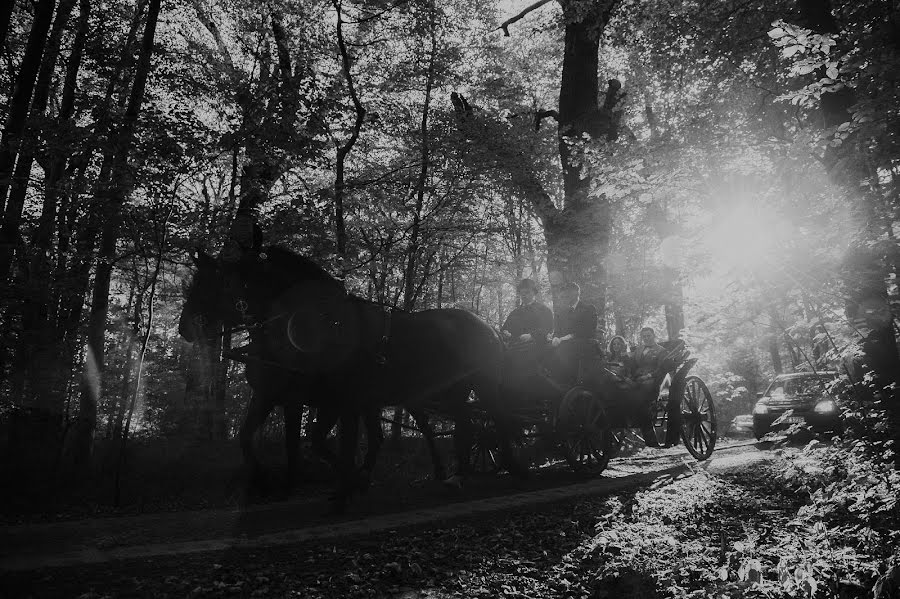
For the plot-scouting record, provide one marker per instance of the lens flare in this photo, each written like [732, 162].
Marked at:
[746, 237]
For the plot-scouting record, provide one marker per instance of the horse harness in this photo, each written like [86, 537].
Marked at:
[381, 351]
[236, 287]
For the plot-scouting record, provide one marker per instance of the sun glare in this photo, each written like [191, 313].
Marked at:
[744, 238]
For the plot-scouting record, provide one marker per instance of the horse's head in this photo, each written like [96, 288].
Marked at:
[204, 298]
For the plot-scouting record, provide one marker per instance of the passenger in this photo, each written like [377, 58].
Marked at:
[648, 358]
[531, 321]
[575, 336]
[618, 362]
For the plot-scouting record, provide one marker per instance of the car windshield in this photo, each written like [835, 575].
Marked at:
[798, 386]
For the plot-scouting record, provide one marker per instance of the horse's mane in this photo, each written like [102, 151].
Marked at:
[298, 268]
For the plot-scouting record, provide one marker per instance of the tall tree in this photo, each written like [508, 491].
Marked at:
[6, 11]
[12, 216]
[17, 114]
[40, 337]
[409, 277]
[119, 186]
[344, 149]
[865, 269]
[577, 226]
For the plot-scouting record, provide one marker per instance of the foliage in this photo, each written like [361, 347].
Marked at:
[720, 200]
[734, 533]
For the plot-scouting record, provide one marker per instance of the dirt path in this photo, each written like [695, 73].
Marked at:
[31, 547]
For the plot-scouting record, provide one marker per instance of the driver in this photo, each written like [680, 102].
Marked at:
[532, 321]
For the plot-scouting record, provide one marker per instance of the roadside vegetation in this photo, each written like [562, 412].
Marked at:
[782, 524]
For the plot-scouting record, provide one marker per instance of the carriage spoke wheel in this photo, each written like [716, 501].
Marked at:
[698, 418]
[485, 457]
[622, 440]
[584, 433]
[658, 435]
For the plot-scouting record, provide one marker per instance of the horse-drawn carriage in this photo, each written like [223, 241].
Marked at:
[588, 422]
[313, 342]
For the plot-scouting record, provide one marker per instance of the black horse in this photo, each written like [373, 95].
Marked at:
[271, 385]
[352, 355]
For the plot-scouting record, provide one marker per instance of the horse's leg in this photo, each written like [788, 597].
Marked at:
[347, 479]
[293, 413]
[421, 419]
[372, 420]
[257, 412]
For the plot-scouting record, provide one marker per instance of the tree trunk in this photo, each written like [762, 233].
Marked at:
[409, 295]
[344, 149]
[578, 235]
[865, 267]
[775, 354]
[32, 309]
[67, 286]
[675, 312]
[21, 98]
[6, 11]
[409, 276]
[120, 185]
[45, 381]
[12, 217]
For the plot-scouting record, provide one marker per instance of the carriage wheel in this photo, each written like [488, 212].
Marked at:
[584, 432]
[485, 457]
[698, 418]
[624, 440]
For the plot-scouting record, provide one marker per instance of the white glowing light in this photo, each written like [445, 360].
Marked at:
[746, 237]
[671, 251]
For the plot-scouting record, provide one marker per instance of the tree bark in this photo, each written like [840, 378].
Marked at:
[344, 149]
[674, 309]
[67, 285]
[120, 186]
[12, 217]
[578, 236]
[412, 257]
[36, 348]
[6, 11]
[21, 97]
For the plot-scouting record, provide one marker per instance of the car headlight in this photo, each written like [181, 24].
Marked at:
[760, 408]
[826, 406]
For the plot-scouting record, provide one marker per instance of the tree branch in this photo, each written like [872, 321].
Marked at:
[505, 24]
[281, 46]
[540, 200]
[344, 149]
[351, 87]
[210, 25]
[540, 115]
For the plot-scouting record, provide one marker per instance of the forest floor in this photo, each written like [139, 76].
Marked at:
[712, 531]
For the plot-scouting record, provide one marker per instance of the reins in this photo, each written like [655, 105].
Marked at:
[236, 286]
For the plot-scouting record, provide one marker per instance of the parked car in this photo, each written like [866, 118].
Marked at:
[805, 395]
[741, 425]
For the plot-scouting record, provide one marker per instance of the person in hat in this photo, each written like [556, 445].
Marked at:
[532, 321]
[575, 334]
